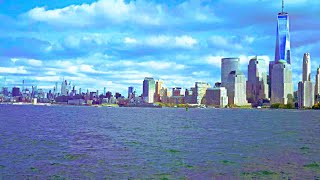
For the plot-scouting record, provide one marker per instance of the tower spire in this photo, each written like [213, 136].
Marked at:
[282, 6]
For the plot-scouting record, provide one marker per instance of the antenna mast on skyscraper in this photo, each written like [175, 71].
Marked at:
[282, 6]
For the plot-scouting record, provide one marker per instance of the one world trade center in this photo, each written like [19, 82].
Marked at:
[283, 37]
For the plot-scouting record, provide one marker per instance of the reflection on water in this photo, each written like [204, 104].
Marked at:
[121, 143]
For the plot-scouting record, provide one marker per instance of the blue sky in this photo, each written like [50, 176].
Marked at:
[116, 43]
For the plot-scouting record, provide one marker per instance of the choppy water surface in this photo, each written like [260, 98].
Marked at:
[121, 143]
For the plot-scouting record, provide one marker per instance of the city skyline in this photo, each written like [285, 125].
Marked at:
[119, 48]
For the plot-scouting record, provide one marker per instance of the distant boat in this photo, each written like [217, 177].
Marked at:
[258, 107]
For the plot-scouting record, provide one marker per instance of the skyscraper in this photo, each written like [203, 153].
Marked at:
[217, 96]
[282, 51]
[283, 37]
[201, 88]
[228, 65]
[317, 86]
[130, 92]
[305, 87]
[148, 89]
[236, 88]
[281, 84]
[257, 87]
[157, 94]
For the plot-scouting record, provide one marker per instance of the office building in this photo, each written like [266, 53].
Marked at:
[201, 88]
[190, 96]
[228, 65]
[217, 96]
[282, 51]
[148, 90]
[176, 91]
[281, 84]
[317, 86]
[305, 87]
[283, 37]
[236, 88]
[130, 92]
[157, 94]
[257, 84]
[15, 92]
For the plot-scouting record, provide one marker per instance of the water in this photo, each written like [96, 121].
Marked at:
[120, 143]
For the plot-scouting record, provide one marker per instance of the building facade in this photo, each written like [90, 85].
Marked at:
[228, 65]
[283, 38]
[236, 89]
[148, 90]
[201, 88]
[281, 84]
[317, 86]
[217, 96]
[257, 84]
[305, 87]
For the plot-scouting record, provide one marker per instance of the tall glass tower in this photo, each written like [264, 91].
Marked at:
[283, 37]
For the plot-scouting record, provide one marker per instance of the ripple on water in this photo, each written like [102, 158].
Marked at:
[121, 143]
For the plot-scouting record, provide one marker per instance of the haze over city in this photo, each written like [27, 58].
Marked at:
[116, 44]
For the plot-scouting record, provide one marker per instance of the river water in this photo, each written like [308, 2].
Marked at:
[65, 142]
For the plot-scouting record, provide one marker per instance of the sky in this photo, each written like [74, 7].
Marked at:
[117, 43]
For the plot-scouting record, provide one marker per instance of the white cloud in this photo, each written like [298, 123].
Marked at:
[158, 40]
[14, 70]
[186, 41]
[214, 60]
[100, 12]
[34, 62]
[129, 40]
[171, 41]
[14, 60]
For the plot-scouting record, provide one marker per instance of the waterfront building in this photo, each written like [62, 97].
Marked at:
[257, 84]
[317, 86]
[228, 65]
[15, 92]
[305, 87]
[157, 94]
[64, 90]
[281, 84]
[190, 96]
[217, 96]
[282, 51]
[148, 89]
[201, 88]
[130, 92]
[236, 88]
[283, 37]
[176, 91]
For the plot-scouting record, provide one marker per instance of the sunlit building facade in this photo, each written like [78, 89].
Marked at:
[148, 89]
[257, 86]
[228, 65]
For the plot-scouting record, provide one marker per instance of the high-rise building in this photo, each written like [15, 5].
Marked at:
[64, 90]
[15, 92]
[257, 86]
[176, 91]
[236, 88]
[157, 95]
[282, 51]
[281, 84]
[148, 89]
[305, 87]
[201, 88]
[317, 86]
[228, 65]
[217, 96]
[190, 96]
[283, 37]
[130, 92]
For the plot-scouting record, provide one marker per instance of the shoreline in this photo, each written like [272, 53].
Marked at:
[146, 106]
